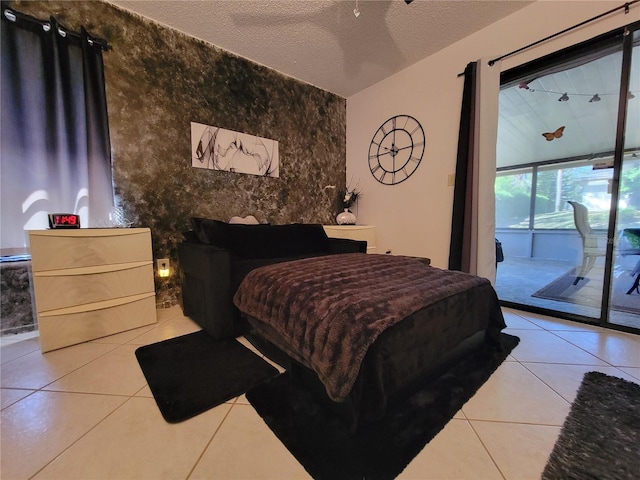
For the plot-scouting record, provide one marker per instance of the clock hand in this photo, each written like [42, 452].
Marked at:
[396, 149]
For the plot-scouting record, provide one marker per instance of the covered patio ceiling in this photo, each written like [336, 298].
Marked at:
[539, 123]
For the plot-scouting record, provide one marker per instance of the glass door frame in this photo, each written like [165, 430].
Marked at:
[623, 101]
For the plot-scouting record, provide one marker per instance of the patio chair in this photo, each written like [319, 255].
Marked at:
[590, 245]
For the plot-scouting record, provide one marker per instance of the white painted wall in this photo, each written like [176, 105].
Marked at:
[414, 217]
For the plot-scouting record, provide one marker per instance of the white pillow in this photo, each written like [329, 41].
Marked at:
[248, 220]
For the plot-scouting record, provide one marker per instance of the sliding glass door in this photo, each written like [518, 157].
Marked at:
[568, 183]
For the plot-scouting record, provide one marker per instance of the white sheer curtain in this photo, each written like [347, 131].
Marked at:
[55, 150]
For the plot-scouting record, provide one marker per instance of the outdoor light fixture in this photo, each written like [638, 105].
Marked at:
[564, 97]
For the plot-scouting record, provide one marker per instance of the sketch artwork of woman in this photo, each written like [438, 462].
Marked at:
[215, 148]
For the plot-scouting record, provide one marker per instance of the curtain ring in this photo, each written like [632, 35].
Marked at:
[46, 27]
[61, 32]
[10, 15]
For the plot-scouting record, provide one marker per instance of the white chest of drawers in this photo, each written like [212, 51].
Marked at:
[354, 232]
[90, 283]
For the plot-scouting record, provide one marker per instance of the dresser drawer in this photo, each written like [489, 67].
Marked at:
[83, 286]
[58, 249]
[76, 326]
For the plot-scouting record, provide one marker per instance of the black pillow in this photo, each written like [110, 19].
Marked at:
[263, 241]
[196, 225]
[190, 236]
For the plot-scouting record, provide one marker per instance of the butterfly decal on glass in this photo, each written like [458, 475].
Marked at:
[551, 135]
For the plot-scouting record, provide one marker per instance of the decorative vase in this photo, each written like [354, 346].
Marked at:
[346, 218]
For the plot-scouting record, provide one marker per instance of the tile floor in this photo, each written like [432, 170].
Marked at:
[85, 412]
[518, 278]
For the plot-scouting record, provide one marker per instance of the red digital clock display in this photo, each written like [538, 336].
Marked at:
[64, 220]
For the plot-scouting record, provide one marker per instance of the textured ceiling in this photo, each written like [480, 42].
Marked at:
[322, 42]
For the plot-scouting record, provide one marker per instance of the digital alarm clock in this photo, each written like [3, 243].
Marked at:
[64, 220]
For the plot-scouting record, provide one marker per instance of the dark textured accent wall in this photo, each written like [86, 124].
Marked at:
[16, 313]
[158, 80]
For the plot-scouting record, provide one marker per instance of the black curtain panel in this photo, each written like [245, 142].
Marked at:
[55, 148]
[460, 245]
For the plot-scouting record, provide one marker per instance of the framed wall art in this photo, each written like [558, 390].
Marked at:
[216, 148]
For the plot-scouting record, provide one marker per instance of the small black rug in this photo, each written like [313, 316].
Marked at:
[600, 438]
[562, 288]
[323, 444]
[193, 373]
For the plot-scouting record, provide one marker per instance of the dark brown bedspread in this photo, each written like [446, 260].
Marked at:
[330, 309]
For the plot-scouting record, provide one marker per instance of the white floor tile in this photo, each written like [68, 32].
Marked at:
[116, 373]
[144, 392]
[616, 348]
[9, 396]
[37, 370]
[455, 453]
[557, 324]
[513, 394]
[38, 428]
[136, 443]
[516, 321]
[634, 372]
[15, 350]
[566, 379]
[173, 327]
[520, 451]
[163, 314]
[547, 347]
[227, 456]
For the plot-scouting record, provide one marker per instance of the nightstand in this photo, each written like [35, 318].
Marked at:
[354, 232]
[90, 283]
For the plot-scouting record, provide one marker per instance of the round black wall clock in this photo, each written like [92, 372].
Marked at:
[396, 149]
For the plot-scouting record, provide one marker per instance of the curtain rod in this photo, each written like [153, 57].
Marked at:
[13, 15]
[597, 17]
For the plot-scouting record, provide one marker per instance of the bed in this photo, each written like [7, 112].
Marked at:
[363, 331]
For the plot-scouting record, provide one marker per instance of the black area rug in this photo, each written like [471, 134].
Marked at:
[600, 438]
[193, 373]
[562, 289]
[323, 444]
